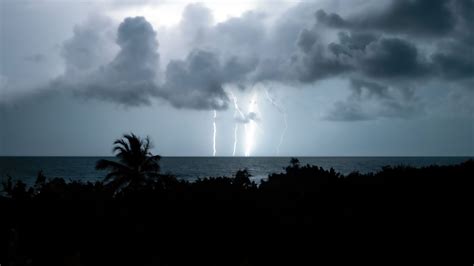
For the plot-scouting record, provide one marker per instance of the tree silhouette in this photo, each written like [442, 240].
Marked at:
[242, 178]
[135, 165]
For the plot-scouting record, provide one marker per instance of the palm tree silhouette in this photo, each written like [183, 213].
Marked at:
[135, 165]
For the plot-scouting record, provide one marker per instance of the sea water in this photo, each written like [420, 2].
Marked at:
[191, 168]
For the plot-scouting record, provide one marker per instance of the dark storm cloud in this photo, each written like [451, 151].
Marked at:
[364, 54]
[314, 61]
[138, 56]
[89, 46]
[129, 79]
[406, 58]
[391, 57]
[298, 47]
[425, 17]
[367, 48]
[455, 62]
[216, 58]
[356, 40]
[331, 20]
[418, 18]
[465, 9]
[370, 100]
[197, 82]
[132, 77]
[431, 17]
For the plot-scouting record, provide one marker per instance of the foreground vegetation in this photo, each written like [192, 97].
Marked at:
[140, 217]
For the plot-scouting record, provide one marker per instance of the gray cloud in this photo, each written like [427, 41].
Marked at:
[392, 57]
[357, 53]
[91, 46]
[391, 44]
[370, 100]
[3, 81]
[375, 55]
[332, 19]
[246, 118]
[301, 46]
[243, 34]
[455, 61]
[410, 87]
[371, 89]
[35, 58]
[138, 57]
[464, 10]
[195, 82]
[127, 3]
[132, 77]
[129, 79]
[347, 111]
[196, 21]
[425, 17]
[391, 60]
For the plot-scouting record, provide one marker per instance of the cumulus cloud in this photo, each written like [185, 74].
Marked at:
[129, 79]
[91, 45]
[404, 54]
[364, 53]
[195, 82]
[242, 34]
[425, 17]
[391, 57]
[382, 47]
[196, 21]
[315, 61]
[398, 46]
[132, 77]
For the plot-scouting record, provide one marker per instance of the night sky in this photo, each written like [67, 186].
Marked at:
[261, 78]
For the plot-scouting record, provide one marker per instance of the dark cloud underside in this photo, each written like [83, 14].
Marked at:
[403, 44]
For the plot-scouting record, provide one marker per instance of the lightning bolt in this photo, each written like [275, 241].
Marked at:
[214, 135]
[250, 129]
[285, 119]
[236, 128]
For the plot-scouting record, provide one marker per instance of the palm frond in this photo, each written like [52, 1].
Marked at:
[136, 163]
[123, 144]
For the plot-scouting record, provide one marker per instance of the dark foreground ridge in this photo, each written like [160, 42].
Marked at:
[141, 217]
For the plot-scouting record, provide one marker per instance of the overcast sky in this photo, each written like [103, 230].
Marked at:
[255, 78]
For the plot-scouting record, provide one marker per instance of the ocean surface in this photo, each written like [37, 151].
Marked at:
[191, 168]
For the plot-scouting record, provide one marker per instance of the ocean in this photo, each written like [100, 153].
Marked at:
[191, 168]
